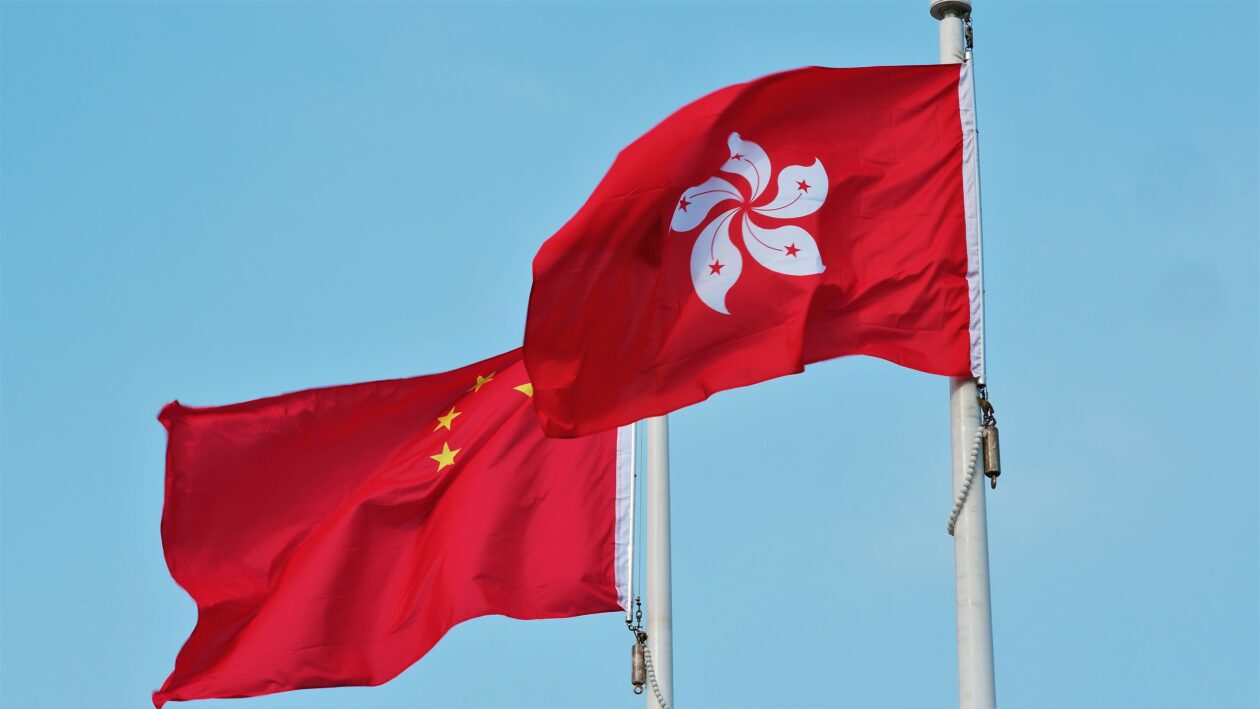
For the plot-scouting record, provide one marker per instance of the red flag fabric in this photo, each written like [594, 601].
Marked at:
[799, 217]
[331, 537]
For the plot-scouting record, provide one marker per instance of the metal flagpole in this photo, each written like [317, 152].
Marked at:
[634, 511]
[976, 689]
[659, 614]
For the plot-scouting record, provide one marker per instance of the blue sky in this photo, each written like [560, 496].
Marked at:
[219, 201]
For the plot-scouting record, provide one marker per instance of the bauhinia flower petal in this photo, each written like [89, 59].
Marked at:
[750, 162]
[789, 250]
[716, 262]
[695, 203]
[802, 189]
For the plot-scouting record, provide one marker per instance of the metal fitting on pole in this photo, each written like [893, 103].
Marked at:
[638, 664]
[953, 16]
[941, 8]
[992, 455]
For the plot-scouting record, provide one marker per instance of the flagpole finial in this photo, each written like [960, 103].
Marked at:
[941, 8]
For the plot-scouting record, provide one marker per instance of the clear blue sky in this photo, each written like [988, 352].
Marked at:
[219, 201]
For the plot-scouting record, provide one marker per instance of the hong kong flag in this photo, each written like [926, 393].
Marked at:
[332, 536]
[799, 217]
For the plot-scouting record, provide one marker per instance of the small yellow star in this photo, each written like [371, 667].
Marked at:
[446, 457]
[481, 381]
[527, 388]
[445, 421]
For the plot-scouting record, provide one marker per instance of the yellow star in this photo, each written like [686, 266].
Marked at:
[481, 381]
[445, 421]
[446, 457]
[527, 388]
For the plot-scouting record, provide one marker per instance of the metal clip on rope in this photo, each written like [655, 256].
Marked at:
[987, 438]
[992, 456]
[642, 671]
[638, 662]
[638, 651]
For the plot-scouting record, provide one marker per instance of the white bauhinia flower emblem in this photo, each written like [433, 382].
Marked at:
[715, 260]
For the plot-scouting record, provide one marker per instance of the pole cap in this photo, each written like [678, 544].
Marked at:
[941, 8]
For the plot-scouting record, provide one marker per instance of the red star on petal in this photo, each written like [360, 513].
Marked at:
[800, 185]
[683, 204]
[716, 267]
[737, 156]
[792, 250]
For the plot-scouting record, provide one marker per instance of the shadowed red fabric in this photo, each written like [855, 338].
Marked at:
[332, 536]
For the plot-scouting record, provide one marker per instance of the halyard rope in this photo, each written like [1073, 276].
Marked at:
[973, 460]
[651, 673]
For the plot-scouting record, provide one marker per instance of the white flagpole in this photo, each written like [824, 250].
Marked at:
[634, 511]
[976, 687]
[659, 614]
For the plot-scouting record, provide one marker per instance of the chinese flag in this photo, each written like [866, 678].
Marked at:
[803, 216]
[332, 536]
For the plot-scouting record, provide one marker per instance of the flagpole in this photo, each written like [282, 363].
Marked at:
[976, 686]
[659, 615]
[634, 511]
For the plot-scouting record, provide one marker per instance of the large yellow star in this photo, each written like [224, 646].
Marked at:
[481, 381]
[445, 421]
[446, 457]
[527, 388]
